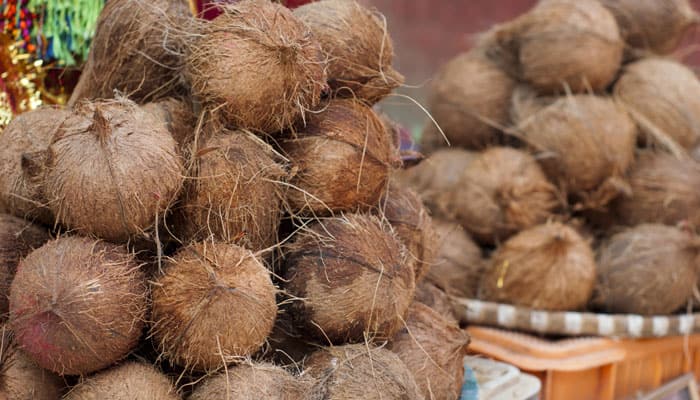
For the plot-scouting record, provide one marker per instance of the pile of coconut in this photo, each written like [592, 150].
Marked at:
[572, 180]
[217, 214]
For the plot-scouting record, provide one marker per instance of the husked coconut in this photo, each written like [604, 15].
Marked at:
[128, 381]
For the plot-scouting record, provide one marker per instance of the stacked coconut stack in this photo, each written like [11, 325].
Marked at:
[570, 184]
[213, 216]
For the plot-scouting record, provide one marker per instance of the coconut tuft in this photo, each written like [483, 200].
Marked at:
[502, 192]
[340, 161]
[663, 96]
[433, 349]
[78, 305]
[429, 294]
[548, 267]
[128, 381]
[257, 64]
[22, 145]
[351, 279]
[360, 371]
[357, 46]
[178, 117]
[112, 170]
[469, 100]
[213, 305]
[136, 50]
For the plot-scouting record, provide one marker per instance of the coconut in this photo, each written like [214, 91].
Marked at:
[459, 265]
[357, 47]
[78, 305]
[469, 99]
[112, 170]
[585, 144]
[234, 193]
[664, 97]
[502, 192]
[17, 239]
[403, 209]
[177, 116]
[257, 64]
[214, 304]
[136, 50]
[20, 377]
[658, 26]
[359, 371]
[433, 349]
[352, 277]
[128, 381]
[257, 381]
[548, 267]
[22, 144]
[664, 190]
[340, 161]
[650, 269]
[429, 294]
[563, 45]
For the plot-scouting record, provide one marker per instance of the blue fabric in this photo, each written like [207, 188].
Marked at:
[470, 390]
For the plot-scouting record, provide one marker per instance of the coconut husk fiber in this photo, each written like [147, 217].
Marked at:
[128, 381]
[350, 278]
[433, 349]
[459, 265]
[287, 345]
[429, 294]
[650, 269]
[233, 193]
[257, 64]
[663, 190]
[664, 98]
[137, 50]
[585, 144]
[652, 25]
[360, 371]
[469, 100]
[22, 144]
[562, 45]
[18, 238]
[502, 192]
[254, 381]
[112, 170]
[20, 377]
[78, 305]
[178, 116]
[548, 267]
[213, 305]
[340, 161]
[357, 47]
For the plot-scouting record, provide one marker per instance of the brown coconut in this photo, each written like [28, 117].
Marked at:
[404, 211]
[78, 305]
[664, 190]
[502, 192]
[650, 269]
[351, 277]
[234, 192]
[563, 45]
[250, 381]
[548, 267]
[178, 117]
[22, 144]
[18, 238]
[214, 304]
[340, 160]
[664, 98]
[429, 294]
[459, 265]
[657, 26]
[112, 170]
[433, 349]
[359, 371]
[469, 100]
[137, 50]
[128, 381]
[257, 64]
[357, 47]
[585, 143]
[20, 377]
